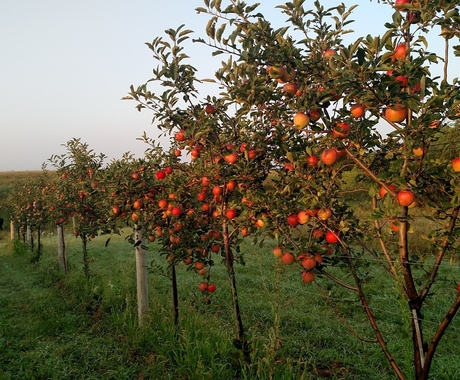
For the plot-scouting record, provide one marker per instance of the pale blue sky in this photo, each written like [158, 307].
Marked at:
[65, 65]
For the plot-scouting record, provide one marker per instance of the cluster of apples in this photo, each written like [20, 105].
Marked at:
[308, 261]
[205, 287]
[304, 216]
[284, 75]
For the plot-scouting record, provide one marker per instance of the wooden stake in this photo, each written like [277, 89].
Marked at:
[141, 275]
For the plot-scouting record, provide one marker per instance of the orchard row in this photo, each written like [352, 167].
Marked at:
[271, 156]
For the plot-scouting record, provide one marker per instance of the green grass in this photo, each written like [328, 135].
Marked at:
[56, 326]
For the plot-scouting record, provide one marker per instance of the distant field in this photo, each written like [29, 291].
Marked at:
[7, 178]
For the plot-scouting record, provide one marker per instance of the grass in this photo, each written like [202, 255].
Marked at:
[56, 326]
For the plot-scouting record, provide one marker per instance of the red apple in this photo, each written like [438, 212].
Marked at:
[180, 136]
[420, 151]
[288, 166]
[277, 251]
[329, 156]
[332, 237]
[230, 185]
[400, 52]
[341, 130]
[301, 120]
[292, 220]
[329, 53]
[401, 4]
[276, 72]
[290, 89]
[115, 210]
[308, 262]
[315, 115]
[456, 164]
[357, 110]
[230, 213]
[405, 198]
[383, 191]
[205, 181]
[231, 158]
[161, 175]
[217, 190]
[288, 76]
[312, 160]
[308, 276]
[303, 217]
[324, 213]
[195, 153]
[396, 113]
[209, 109]
[288, 258]
[403, 80]
[313, 213]
[176, 211]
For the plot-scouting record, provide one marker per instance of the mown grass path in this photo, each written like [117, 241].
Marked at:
[43, 336]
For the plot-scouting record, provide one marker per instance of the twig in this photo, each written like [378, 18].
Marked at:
[337, 281]
[342, 319]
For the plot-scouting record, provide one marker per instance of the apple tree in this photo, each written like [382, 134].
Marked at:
[80, 193]
[328, 99]
[226, 151]
[30, 211]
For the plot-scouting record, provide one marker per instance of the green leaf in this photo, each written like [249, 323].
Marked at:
[211, 27]
[185, 32]
[220, 31]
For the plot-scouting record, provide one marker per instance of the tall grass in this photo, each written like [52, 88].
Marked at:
[56, 326]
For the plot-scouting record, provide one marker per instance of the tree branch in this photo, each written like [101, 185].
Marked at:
[438, 335]
[342, 319]
[337, 281]
[440, 255]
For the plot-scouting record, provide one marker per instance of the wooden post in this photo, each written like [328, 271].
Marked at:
[141, 275]
[29, 236]
[61, 248]
[12, 230]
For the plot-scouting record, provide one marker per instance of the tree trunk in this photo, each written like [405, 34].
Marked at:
[61, 248]
[39, 243]
[229, 260]
[37, 254]
[411, 293]
[141, 275]
[85, 256]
